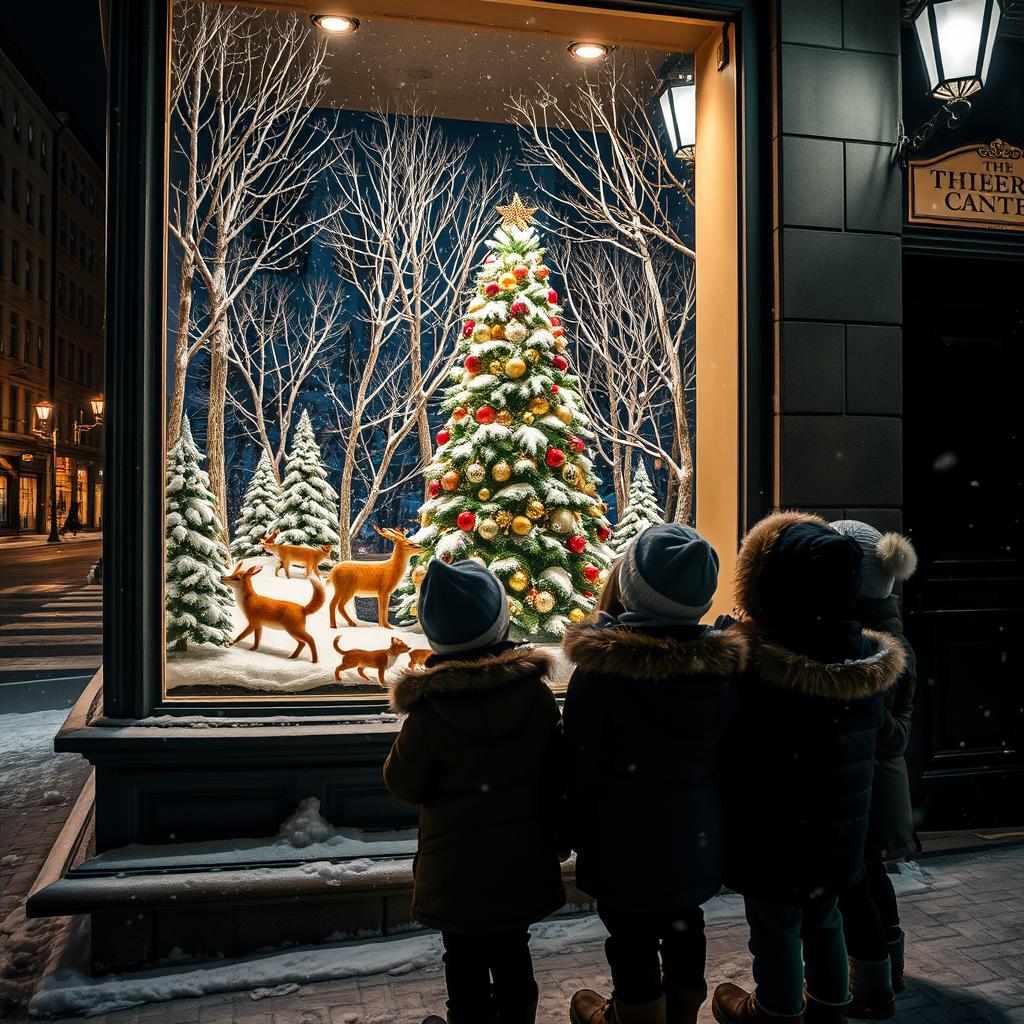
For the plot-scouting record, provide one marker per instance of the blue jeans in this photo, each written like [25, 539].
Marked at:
[791, 942]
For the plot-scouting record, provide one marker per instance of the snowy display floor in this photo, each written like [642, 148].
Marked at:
[237, 670]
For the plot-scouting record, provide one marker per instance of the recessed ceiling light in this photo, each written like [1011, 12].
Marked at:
[335, 23]
[589, 51]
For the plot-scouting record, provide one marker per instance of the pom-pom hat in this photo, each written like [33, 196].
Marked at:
[888, 557]
[461, 607]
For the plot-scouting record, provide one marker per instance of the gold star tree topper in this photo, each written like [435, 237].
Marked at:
[515, 214]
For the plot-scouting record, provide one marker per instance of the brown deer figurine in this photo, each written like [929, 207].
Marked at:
[269, 611]
[372, 579]
[295, 554]
[379, 661]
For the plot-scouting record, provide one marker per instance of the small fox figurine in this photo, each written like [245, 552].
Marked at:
[269, 611]
[295, 554]
[361, 660]
[418, 657]
[372, 579]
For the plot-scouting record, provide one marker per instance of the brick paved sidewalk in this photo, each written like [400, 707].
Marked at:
[965, 965]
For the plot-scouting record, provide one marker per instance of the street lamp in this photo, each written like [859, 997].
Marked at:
[97, 412]
[44, 412]
[677, 98]
[956, 39]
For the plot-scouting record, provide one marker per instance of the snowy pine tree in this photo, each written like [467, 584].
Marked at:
[512, 484]
[642, 510]
[308, 510]
[198, 605]
[259, 510]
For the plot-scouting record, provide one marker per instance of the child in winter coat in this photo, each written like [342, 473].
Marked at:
[800, 764]
[479, 752]
[871, 920]
[644, 716]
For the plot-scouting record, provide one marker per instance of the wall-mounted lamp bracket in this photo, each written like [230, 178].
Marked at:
[949, 115]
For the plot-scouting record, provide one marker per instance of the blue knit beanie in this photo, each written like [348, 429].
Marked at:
[461, 607]
[669, 572]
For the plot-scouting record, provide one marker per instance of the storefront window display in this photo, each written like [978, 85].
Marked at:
[28, 491]
[441, 302]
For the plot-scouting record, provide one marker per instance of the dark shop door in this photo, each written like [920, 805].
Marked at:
[964, 464]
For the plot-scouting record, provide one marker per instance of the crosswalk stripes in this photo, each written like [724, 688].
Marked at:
[61, 637]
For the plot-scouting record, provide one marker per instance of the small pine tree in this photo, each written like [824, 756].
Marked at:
[308, 509]
[642, 510]
[198, 605]
[259, 510]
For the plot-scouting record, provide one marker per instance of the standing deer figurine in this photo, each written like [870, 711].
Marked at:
[372, 579]
[269, 611]
[295, 554]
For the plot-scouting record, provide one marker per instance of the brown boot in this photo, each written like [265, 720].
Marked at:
[682, 1004]
[818, 1012]
[734, 1005]
[587, 1007]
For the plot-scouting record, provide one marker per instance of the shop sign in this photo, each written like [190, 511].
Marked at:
[27, 457]
[976, 186]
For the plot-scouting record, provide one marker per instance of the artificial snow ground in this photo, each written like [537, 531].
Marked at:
[269, 670]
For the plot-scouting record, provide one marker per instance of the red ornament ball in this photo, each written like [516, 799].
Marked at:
[492, 289]
[520, 272]
[603, 533]
[577, 544]
[472, 364]
[467, 328]
[485, 414]
[443, 437]
[518, 309]
[434, 488]
[576, 443]
[560, 362]
[554, 389]
[555, 322]
[554, 457]
[552, 296]
[447, 559]
[467, 522]
[587, 594]
[590, 572]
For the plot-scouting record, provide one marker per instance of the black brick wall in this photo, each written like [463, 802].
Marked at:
[838, 259]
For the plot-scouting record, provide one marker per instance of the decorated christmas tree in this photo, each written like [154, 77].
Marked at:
[642, 510]
[259, 510]
[308, 510]
[198, 604]
[511, 484]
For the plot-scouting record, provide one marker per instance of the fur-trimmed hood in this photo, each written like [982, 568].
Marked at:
[413, 685]
[756, 547]
[843, 681]
[639, 655]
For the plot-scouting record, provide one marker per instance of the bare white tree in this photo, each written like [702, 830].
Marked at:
[245, 84]
[280, 335]
[413, 209]
[614, 186]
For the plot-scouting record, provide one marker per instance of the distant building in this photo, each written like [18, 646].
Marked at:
[33, 164]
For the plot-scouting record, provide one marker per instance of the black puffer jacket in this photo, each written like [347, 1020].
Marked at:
[800, 754]
[644, 716]
[891, 822]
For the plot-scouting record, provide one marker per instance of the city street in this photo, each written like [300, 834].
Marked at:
[50, 617]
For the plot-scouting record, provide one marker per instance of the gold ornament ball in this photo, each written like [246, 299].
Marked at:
[476, 305]
[497, 332]
[487, 528]
[412, 611]
[483, 494]
[503, 417]
[533, 355]
[576, 615]
[521, 526]
[559, 344]
[528, 418]
[475, 472]
[518, 581]
[515, 366]
[539, 405]
[562, 521]
[503, 519]
[501, 471]
[535, 509]
[544, 602]
[497, 366]
[564, 413]
[508, 281]
[451, 480]
[571, 474]
[460, 412]
[481, 333]
[417, 575]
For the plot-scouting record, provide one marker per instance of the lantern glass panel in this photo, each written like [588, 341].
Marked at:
[958, 25]
[684, 102]
[924, 38]
[990, 42]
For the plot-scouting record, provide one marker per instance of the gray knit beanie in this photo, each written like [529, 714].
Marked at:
[669, 572]
[888, 557]
[462, 607]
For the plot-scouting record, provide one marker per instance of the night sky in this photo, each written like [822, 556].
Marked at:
[58, 46]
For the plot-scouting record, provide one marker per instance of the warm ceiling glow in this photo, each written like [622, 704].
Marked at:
[589, 51]
[335, 23]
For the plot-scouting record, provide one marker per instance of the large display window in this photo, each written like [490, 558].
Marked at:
[463, 287]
